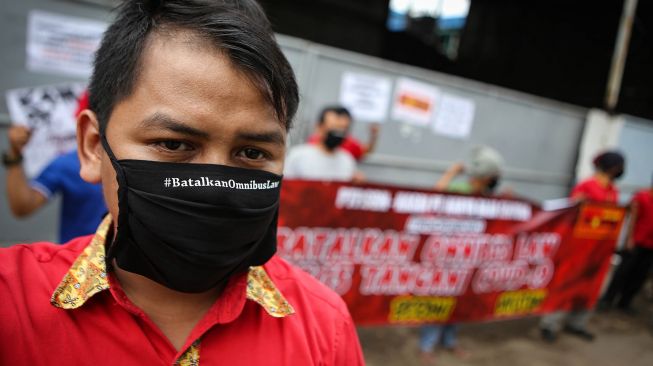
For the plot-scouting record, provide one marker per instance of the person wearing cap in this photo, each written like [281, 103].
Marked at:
[484, 172]
[82, 204]
[608, 167]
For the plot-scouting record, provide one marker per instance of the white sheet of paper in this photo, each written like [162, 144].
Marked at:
[49, 112]
[455, 116]
[366, 96]
[414, 102]
[62, 44]
[558, 204]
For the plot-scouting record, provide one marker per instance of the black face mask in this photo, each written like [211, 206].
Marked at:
[190, 227]
[334, 138]
[492, 185]
[618, 173]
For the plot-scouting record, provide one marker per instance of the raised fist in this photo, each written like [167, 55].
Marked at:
[18, 137]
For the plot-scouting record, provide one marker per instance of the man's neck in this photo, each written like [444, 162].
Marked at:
[326, 150]
[603, 179]
[478, 187]
[175, 313]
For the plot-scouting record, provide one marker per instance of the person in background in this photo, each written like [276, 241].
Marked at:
[82, 206]
[635, 267]
[350, 144]
[484, 172]
[324, 160]
[608, 166]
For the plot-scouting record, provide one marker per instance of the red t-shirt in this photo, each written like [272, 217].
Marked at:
[350, 144]
[643, 230]
[592, 190]
[274, 315]
[82, 103]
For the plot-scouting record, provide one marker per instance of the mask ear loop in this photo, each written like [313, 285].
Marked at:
[122, 221]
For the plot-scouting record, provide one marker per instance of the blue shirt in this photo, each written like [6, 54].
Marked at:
[82, 206]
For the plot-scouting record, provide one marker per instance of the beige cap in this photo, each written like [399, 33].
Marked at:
[484, 162]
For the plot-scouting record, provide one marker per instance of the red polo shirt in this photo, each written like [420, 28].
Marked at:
[591, 189]
[643, 230]
[273, 315]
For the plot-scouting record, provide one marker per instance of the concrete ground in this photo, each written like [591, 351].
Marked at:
[620, 340]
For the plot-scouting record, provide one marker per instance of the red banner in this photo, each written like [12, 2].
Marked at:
[405, 256]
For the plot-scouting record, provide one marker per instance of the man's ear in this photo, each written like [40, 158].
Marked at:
[89, 147]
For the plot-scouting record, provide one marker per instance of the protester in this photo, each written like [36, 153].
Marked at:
[609, 166]
[325, 160]
[190, 102]
[636, 265]
[484, 172]
[82, 206]
[357, 149]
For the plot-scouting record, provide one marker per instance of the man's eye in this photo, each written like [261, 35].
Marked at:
[253, 154]
[174, 145]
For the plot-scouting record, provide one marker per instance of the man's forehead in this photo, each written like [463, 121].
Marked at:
[180, 72]
[332, 117]
[336, 115]
[258, 131]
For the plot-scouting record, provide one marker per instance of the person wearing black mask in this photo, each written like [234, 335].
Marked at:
[190, 105]
[324, 160]
[608, 167]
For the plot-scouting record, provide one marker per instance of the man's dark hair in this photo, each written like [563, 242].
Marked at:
[239, 28]
[609, 160]
[337, 109]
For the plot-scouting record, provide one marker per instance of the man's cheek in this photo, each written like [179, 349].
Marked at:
[110, 188]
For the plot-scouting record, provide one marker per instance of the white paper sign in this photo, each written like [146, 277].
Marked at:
[455, 117]
[415, 102]
[49, 112]
[62, 44]
[366, 96]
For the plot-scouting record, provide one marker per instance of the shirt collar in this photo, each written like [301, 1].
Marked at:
[88, 276]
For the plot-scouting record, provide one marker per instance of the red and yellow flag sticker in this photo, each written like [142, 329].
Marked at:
[599, 222]
[415, 101]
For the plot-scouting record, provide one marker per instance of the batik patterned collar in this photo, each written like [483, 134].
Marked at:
[88, 276]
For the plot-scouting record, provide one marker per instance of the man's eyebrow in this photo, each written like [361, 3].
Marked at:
[160, 120]
[274, 137]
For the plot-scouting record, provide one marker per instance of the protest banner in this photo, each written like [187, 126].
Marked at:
[405, 256]
[49, 111]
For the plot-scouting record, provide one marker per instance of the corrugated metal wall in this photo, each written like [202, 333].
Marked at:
[537, 137]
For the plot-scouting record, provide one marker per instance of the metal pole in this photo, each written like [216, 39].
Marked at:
[619, 55]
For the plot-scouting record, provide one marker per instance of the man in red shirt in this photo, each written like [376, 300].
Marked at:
[357, 149]
[609, 166]
[636, 265]
[190, 102]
